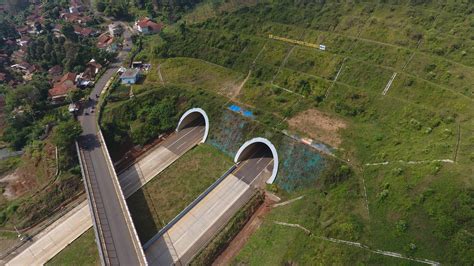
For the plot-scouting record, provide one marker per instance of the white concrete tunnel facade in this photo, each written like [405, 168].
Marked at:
[206, 121]
[272, 149]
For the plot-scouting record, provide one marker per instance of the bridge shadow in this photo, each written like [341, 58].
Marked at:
[140, 205]
[145, 215]
[88, 142]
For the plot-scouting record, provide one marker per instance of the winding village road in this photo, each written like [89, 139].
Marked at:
[117, 238]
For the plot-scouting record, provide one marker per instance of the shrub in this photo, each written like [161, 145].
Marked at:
[383, 195]
[402, 226]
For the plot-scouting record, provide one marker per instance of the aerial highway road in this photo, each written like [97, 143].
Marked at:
[64, 231]
[183, 240]
[117, 239]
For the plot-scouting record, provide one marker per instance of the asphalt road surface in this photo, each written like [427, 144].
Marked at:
[252, 167]
[118, 240]
[187, 137]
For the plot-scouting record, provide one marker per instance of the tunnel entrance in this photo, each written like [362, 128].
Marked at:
[259, 154]
[192, 118]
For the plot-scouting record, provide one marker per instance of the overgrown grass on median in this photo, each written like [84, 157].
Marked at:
[83, 251]
[166, 195]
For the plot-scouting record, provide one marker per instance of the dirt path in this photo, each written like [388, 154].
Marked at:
[283, 63]
[225, 258]
[159, 74]
[359, 245]
[239, 88]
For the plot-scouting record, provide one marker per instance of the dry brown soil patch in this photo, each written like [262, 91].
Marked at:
[37, 169]
[319, 126]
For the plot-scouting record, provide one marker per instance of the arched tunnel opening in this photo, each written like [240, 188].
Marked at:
[257, 158]
[194, 118]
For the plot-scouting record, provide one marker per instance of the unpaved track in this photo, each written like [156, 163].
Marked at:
[226, 257]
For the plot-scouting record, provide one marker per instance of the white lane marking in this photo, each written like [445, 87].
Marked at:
[244, 163]
[192, 140]
[194, 128]
[256, 177]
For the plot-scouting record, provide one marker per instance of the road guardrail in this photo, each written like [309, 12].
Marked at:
[92, 208]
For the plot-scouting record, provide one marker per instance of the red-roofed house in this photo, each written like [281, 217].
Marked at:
[92, 69]
[82, 31]
[61, 88]
[55, 72]
[75, 18]
[75, 6]
[105, 41]
[148, 26]
[23, 30]
[25, 68]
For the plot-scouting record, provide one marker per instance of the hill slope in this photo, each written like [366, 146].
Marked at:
[399, 76]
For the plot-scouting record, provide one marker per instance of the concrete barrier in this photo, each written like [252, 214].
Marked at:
[204, 115]
[94, 213]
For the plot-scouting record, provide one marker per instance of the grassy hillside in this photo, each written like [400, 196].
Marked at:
[410, 144]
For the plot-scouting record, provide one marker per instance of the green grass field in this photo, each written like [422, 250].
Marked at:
[160, 200]
[83, 251]
[411, 203]
[190, 72]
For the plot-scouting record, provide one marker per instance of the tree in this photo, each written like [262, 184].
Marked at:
[75, 95]
[7, 30]
[64, 136]
[101, 6]
[68, 31]
[15, 6]
[150, 9]
[182, 28]
[304, 87]
[66, 133]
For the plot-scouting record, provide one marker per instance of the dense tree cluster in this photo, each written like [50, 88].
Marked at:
[15, 6]
[116, 9]
[25, 104]
[7, 32]
[170, 10]
[48, 50]
[143, 121]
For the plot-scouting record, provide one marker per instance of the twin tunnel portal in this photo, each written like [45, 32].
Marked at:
[254, 157]
[255, 163]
